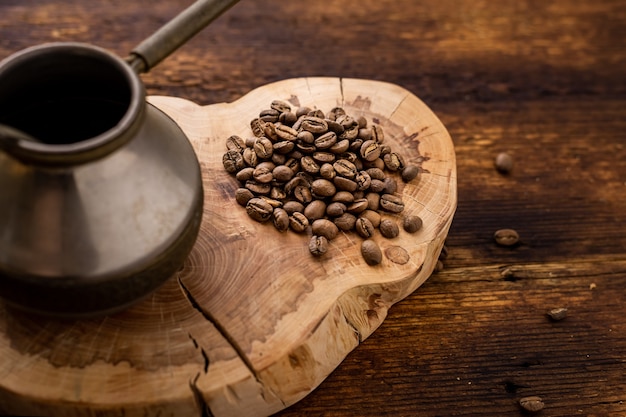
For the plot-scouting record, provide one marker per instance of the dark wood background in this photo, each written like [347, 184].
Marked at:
[542, 80]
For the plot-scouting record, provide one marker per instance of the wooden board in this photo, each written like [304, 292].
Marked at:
[252, 323]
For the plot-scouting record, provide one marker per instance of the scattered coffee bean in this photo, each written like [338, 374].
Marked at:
[504, 163]
[532, 404]
[506, 237]
[557, 314]
[412, 223]
[371, 252]
[307, 170]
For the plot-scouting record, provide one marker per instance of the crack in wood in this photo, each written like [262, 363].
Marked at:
[205, 410]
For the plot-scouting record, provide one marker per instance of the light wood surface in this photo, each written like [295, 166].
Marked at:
[253, 322]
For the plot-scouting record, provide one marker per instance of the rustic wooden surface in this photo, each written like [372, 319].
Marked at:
[542, 80]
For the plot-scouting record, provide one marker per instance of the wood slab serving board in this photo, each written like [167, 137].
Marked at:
[252, 323]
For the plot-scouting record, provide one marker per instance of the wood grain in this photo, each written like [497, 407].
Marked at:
[540, 79]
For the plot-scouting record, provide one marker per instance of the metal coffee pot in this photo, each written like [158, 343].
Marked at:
[100, 192]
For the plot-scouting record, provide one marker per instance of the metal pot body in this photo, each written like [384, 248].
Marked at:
[107, 205]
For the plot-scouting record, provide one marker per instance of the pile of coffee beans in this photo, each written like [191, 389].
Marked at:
[304, 169]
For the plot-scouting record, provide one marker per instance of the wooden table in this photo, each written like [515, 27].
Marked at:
[542, 80]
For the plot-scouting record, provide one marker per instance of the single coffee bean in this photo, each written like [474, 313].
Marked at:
[245, 174]
[272, 202]
[363, 180]
[365, 134]
[378, 135]
[250, 142]
[372, 216]
[327, 171]
[344, 184]
[340, 147]
[343, 197]
[373, 200]
[391, 203]
[557, 314]
[388, 228]
[282, 173]
[345, 222]
[324, 227]
[412, 223]
[287, 118]
[384, 150]
[506, 237]
[346, 121]
[351, 134]
[269, 130]
[361, 121]
[391, 186]
[280, 219]
[263, 148]
[326, 140]
[302, 111]
[293, 164]
[278, 159]
[309, 165]
[286, 133]
[324, 157]
[283, 147]
[355, 144]
[504, 163]
[364, 227]
[243, 195]
[298, 222]
[259, 209]
[532, 404]
[306, 137]
[358, 206]
[233, 161]
[322, 188]
[305, 148]
[318, 245]
[371, 252]
[303, 194]
[345, 168]
[409, 173]
[277, 193]
[316, 113]
[370, 150]
[315, 125]
[280, 106]
[333, 126]
[377, 186]
[393, 161]
[258, 188]
[316, 209]
[335, 112]
[293, 206]
[235, 143]
[250, 157]
[263, 174]
[258, 127]
[291, 185]
[376, 173]
[269, 115]
[335, 209]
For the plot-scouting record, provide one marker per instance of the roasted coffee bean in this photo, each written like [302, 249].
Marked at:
[250, 157]
[532, 404]
[335, 209]
[322, 188]
[293, 164]
[243, 195]
[278, 193]
[363, 180]
[269, 129]
[263, 148]
[391, 203]
[384, 150]
[283, 147]
[269, 115]
[344, 184]
[303, 194]
[280, 219]
[315, 125]
[388, 228]
[324, 227]
[504, 163]
[346, 121]
[259, 209]
[390, 186]
[285, 132]
[327, 171]
[233, 161]
[393, 161]
[272, 201]
[372, 216]
[378, 135]
[333, 126]
[506, 237]
[308, 164]
[376, 163]
[345, 222]
[235, 143]
[373, 200]
[343, 197]
[316, 113]
[298, 222]
[340, 147]
[258, 188]
[318, 245]
[326, 140]
[409, 173]
[316, 209]
[364, 227]
[365, 134]
[345, 168]
[351, 133]
[370, 150]
[412, 223]
[293, 206]
[371, 252]
[302, 111]
[306, 137]
[258, 127]
[263, 174]
[282, 173]
[244, 174]
[358, 206]
[377, 186]
[355, 145]
[335, 112]
[280, 106]
[376, 173]
[305, 148]
[324, 157]
[361, 121]
[287, 118]
[278, 159]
